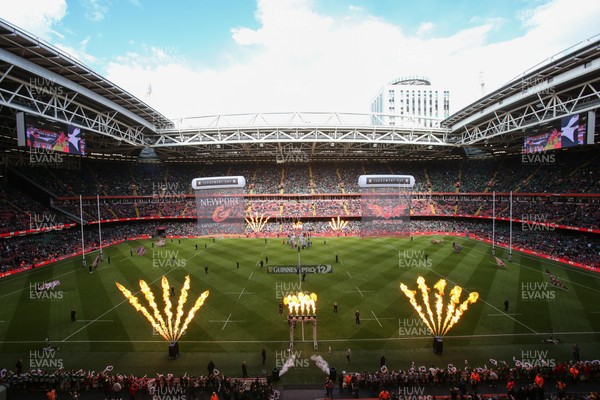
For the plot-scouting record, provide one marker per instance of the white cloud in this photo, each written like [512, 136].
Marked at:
[424, 28]
[300, 60]
[35, 16]
[95, 10]
[80, 53]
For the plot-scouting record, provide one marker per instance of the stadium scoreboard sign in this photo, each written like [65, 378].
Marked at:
[304, 269]
[220, 205]
[219, 182]
[385, 204]
[389, 181]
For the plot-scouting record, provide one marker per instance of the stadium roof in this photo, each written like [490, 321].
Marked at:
[33, 49]
[119, 124]
[545, 71]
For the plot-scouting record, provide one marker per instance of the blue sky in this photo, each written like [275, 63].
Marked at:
[209, 57]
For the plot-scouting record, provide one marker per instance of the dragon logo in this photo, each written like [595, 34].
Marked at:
[221, 214]
[387, 212]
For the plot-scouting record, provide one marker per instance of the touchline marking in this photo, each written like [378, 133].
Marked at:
[376, 319]
[361, 295]
[117, 305]
[241, 293]
[225, 324]
[252, 273]
[492, 335]
[560, 265]
[348, 272]
[53, 278]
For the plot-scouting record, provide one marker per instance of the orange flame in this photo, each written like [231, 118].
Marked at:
[170, 330]
[257, 222]
[301, 303]
[454, 309]
[339, 225]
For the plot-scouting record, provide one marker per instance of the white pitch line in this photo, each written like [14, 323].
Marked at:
[118, 304]
[241, 293]
[361, 295]
[591, 312]
[348, 272]
[231, 320]
[225, 324]
[491, 335]
[359, 291]
[501, 314]
[373, 319]
[92, 320]
[376, 319]
[53, 278]
[489, 304]
[252, 273]
[560, 265]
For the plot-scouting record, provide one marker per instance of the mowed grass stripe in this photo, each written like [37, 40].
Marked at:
[373, 266]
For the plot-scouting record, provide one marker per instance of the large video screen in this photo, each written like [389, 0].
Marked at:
[571, 131]
[45, 134]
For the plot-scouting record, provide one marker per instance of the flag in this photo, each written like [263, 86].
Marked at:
[500, 262]
[141, 251]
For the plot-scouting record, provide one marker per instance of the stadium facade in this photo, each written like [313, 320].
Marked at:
[412, 97]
